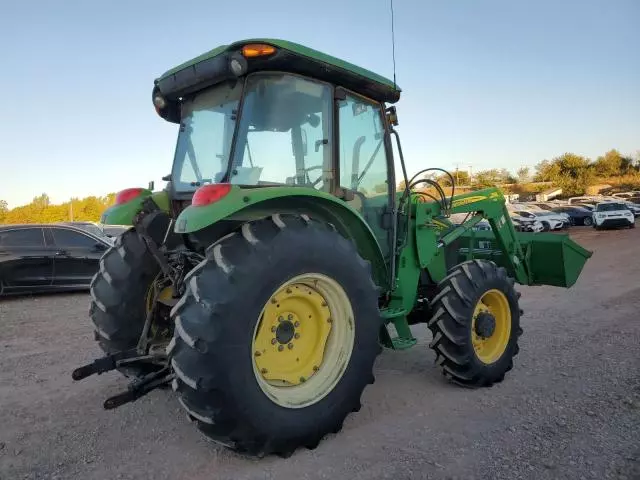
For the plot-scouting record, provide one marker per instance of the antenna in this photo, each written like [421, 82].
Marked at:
[393, 47]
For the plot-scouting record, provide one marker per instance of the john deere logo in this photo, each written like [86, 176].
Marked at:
[468, 200]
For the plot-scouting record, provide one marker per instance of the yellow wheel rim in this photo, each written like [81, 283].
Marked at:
[303, 340]
[165, 295]
[491, 326]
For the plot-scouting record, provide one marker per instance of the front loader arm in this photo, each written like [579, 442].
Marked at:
[490, 204]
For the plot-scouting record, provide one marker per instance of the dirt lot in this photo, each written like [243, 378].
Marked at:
[570, 408]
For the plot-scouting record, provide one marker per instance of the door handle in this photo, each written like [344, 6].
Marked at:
[60, 253]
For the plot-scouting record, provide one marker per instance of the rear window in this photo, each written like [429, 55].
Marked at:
[23, 237]
[610, 207]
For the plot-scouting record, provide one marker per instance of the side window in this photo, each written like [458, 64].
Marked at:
[363, 159]
[24, 237]
[70, 239]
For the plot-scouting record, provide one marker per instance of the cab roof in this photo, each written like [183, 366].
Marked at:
[289, 57]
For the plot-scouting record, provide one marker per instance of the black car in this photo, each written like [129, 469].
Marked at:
[90, 227]
[49, 257]
[577, 214]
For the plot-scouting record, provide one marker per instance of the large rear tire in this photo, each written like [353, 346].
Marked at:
[276, 336]
[119, 296]
[476, 324]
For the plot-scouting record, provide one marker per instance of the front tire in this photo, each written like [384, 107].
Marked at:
[587, 221]
[248, 349]
[476, 324]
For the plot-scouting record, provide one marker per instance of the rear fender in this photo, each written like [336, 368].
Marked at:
[250, 204]
[124, 213]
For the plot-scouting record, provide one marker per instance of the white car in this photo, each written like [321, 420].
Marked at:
[522, 224]
[549, 220]
[612, 214]
[634, 207]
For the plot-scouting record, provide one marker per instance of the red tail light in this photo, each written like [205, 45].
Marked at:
[208, 194]
[127, 194]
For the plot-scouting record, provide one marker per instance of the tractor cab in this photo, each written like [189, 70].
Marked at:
[275, 114]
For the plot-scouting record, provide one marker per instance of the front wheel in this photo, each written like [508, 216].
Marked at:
[587, 221]
[276, 336]
[476, 324]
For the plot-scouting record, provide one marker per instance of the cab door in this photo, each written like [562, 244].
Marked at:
[366, 169]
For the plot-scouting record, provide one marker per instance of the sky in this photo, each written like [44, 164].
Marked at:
[486, 84]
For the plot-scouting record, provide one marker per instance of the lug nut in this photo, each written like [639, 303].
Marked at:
[296, 324]
[297, 335]
[290, 346]
[280, 348]
[273, 341]
[273, 329]
[281, 319]
[290, 317]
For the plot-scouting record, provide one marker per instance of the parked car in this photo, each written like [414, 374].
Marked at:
[577, 215]
[90, 227]
[49, 257]
[588, 206]
[113, 231]
[522, 224]
[634, 207]
[482, 226]
[612, 214]
[549, 220]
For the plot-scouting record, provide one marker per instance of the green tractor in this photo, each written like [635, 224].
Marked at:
[280, 259]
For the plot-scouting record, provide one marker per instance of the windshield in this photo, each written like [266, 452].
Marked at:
[204, 140]
[610, 207]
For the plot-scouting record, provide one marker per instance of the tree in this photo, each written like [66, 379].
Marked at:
[4, 209]
[460, 177]
[573, 173]
[524, 175]
[610, 164]
[40, 210]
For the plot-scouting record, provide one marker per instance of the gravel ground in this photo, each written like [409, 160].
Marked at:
[570, 409]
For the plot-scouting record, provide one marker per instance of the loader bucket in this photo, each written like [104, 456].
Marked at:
[552, 259]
